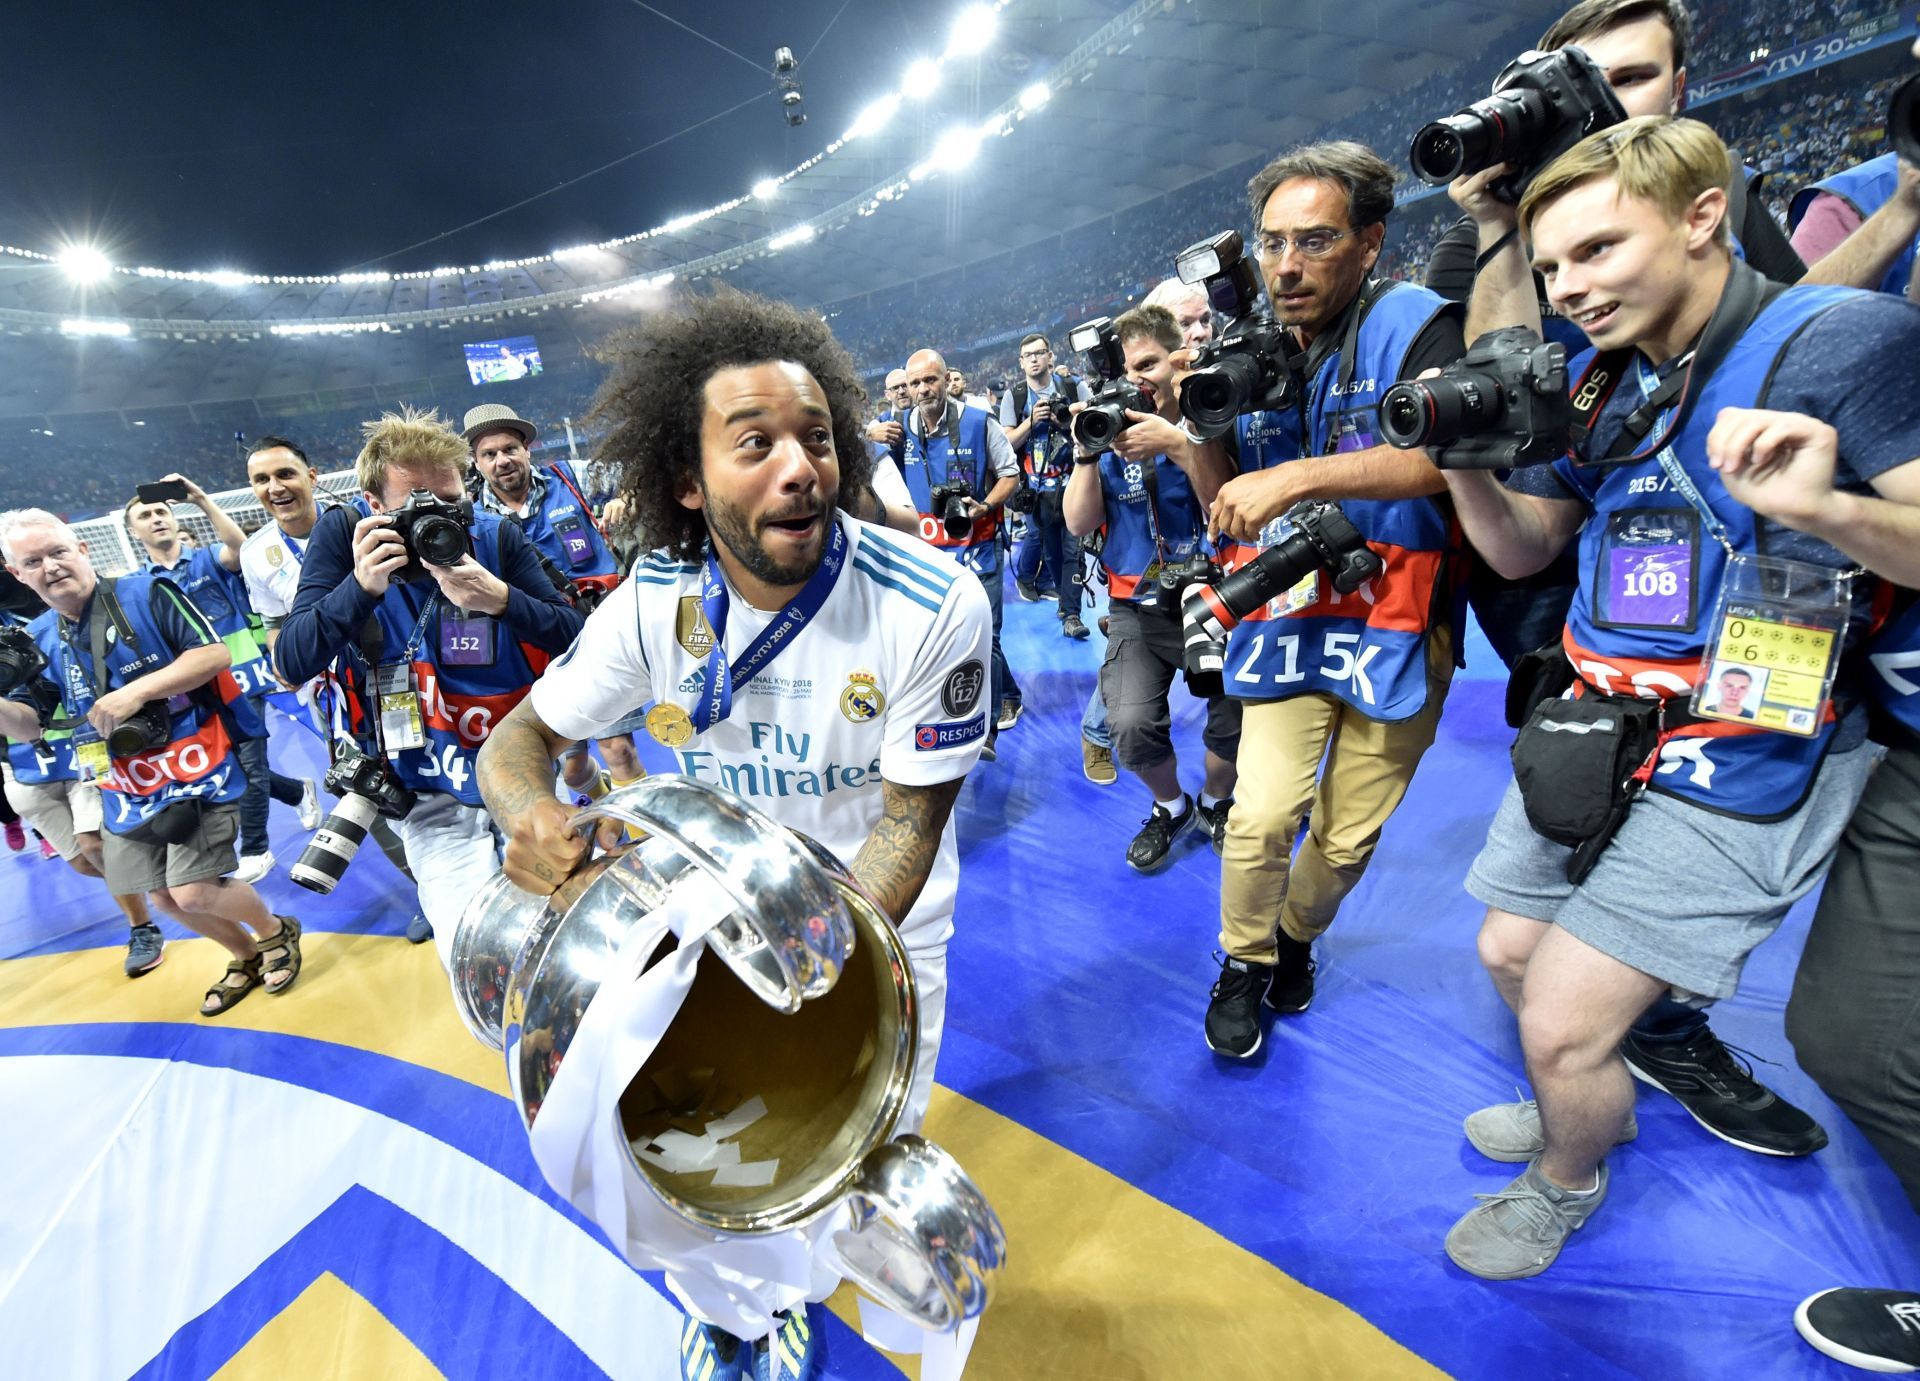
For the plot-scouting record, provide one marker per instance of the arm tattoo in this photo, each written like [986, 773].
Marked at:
[894, 863]
[515, 767]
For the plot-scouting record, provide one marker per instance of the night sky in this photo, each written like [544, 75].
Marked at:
[277, 137]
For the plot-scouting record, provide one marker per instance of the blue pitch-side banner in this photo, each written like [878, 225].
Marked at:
[1897, 27]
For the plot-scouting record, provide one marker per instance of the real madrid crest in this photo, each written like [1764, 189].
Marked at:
[861, 700]
[691, 629]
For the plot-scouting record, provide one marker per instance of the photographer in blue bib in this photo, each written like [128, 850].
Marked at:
[210, 577]
[1608, 60]
[1638, 764]
[435, 620]
[1342, 681]
[138, 677]
[552, 510]
[1033, 412]
[1148, 482]
[960, 470]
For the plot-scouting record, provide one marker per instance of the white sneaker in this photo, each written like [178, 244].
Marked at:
[309, 807]
[253, 867]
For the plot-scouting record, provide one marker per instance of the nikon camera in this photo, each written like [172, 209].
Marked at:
[950, 502]
[1501, 405]
[1322, 540]
[21, 663]
[1105, 415]
[1249, 368]
[434, 530]
[1542, 105]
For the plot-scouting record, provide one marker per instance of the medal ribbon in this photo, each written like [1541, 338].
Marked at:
[716, 696]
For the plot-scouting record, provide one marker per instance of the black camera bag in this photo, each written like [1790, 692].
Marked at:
[1574, 763]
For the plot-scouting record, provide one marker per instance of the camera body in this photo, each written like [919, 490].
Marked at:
[1501, 405]
[150, 726]
[1249, 367]
[1105, 415]
[1323, 539]
[357, 774]
[433, 530]
[949, 502]
[1542, 105]
[21, 663]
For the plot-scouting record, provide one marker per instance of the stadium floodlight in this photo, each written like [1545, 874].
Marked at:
[955, 149]
[799, 235]
[84, 263]
[875, 117]
[91, 326]
[923, 78]
[227, 278]
[660, 280]
[1035, 96]
[767, 188]
[972, 31]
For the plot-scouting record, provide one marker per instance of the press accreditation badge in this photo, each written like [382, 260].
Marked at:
[401, 724]
[1648, 563]
[1776, 635]
[466, 638]
[90, 755]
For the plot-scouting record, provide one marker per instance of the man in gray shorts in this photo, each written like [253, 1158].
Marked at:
[1727, 820]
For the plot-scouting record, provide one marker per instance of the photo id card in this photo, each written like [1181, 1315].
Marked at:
[401, 724]
[1776, 637]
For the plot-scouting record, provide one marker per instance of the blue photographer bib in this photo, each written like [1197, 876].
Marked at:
[957, 452]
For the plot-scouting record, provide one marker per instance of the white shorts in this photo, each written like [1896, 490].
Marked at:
[61, 811]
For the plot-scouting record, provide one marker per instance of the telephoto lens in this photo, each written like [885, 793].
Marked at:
[325, 859]
[1498, 129]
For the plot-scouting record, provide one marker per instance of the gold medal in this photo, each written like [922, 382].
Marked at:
[669, 724]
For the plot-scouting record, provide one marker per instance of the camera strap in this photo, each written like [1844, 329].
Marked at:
[1347, 343]
[107, 602]
[1746, 296]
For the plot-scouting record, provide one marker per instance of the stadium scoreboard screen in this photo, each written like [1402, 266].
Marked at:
[495, 361]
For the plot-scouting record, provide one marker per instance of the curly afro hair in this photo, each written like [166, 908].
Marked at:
[652, 405]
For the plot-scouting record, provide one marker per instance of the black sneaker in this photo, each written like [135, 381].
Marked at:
[1233, 1016]
[1874, 1330]
[1215, 820]
[1071, 627]
[1718, 1090]
[988, 751]
[1028, 591]
[1150, 847]
[1290, 991]
[146, 947]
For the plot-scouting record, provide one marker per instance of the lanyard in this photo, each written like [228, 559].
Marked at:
[420, 628]
[293, 547]
[1676, 474]
[716, 700]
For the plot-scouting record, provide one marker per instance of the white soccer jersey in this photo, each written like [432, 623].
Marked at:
[271, 569]
[889, 680]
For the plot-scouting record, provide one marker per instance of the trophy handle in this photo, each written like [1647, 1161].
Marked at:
[789, 934]
[923, 1239]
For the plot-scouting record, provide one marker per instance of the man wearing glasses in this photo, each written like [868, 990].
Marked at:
[1354, 682]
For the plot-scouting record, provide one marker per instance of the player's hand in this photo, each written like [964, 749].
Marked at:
[542, 849]
[1779, 464]
[378, 552]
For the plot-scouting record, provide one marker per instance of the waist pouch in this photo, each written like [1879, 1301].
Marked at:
[1574, 763]
[1536, 676]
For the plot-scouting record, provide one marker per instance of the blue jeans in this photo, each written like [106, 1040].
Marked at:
[1050, 551]
[262, 783]
[1093, 724]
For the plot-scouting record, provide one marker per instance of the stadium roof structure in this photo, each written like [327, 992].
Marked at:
[1139, 98]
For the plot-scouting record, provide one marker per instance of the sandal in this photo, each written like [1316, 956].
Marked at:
[280, 954]
[224, 993]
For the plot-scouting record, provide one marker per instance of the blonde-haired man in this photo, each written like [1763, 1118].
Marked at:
[1700, 369]
[430, 653]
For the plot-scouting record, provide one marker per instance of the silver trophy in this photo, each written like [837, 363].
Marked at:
[802, 1008]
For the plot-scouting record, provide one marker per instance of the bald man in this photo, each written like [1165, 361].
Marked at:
[960, 469]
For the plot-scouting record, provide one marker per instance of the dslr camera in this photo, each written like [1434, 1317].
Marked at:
[1105, 415]
[1501, 405]
[150, 726]
[949, 501]
[21, 663]
[366, 789]
[1903, 119]
[1322, 540]
[1250, 366]
[1542, 105]
[434, 530]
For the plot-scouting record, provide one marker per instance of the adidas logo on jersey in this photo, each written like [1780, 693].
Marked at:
[693, 680]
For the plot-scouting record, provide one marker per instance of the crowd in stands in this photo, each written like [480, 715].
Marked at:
[1731, 33]
[1796, 130]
